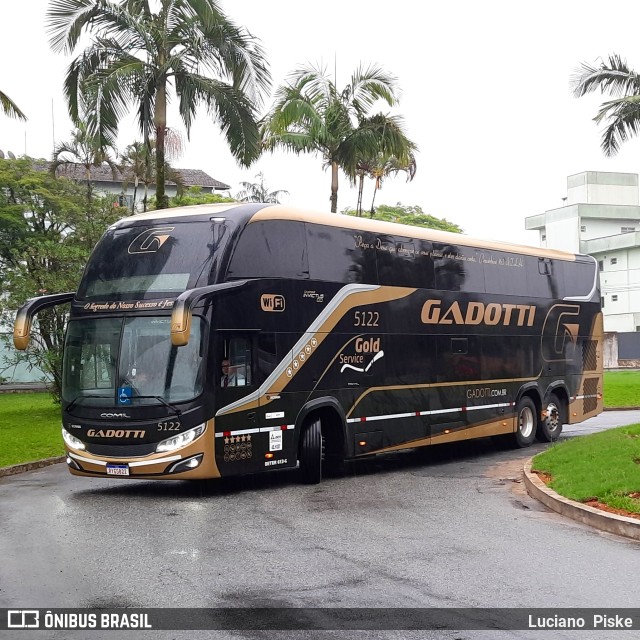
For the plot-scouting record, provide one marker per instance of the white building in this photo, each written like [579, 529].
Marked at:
[123, 186]
[601, 217]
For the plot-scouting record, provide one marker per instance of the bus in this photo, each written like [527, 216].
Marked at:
[228, 339]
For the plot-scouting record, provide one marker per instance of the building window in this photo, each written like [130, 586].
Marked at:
[602, 301]
[627, 229]
[543, 238]
[614, 260]
[614, 298]
[583, 228]
[600, 265]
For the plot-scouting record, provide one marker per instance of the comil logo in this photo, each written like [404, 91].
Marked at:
[151, 240]
[272, 302]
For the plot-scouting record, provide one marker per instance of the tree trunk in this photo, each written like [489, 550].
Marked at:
[375, 190]
[360, 190]
[334, 187]
[160, 121]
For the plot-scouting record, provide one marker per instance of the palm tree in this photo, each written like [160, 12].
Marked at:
[9, 108]
[138, 162]
[83, 149]
[311, 115]
[134, 163]
[258, 192]
[387, 165]
[141, 54]
[622, 113]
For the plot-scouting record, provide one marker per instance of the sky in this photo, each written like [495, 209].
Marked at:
[484, 94]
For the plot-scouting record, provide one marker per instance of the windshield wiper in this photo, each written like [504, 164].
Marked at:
[81, 396]
[161, 400]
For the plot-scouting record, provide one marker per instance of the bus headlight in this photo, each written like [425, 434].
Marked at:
[71, 441]
[181, 440]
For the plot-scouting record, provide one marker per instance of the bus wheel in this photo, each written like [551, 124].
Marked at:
[550, 428]
[526, 422]
[311, 453]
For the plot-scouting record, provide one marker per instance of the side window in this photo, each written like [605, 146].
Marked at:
[545, 278]
[458, 268]
[271, 249]
[341, 255]
[235, 362]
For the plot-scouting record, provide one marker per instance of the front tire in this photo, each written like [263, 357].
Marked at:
[526, 422]
[311, 453]
[550, 427]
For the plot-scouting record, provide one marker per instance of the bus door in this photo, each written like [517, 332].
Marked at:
[236, 425]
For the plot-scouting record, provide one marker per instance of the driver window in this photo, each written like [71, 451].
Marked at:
[235, 363]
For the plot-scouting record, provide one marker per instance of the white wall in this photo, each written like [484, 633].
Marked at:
[563, 235]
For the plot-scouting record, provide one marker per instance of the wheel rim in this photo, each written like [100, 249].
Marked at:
[553, 417]
[526, 422]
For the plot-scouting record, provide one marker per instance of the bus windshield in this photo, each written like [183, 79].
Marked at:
[125, 361]
[157, 259]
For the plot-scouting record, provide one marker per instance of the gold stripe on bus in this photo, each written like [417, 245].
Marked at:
[437, 385]
[373, 295]
[481, 430]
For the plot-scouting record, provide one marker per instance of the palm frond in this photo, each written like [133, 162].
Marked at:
[10, 108]
[614, 78]
[624, 122]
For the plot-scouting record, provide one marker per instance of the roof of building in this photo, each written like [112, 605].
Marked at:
[191, 177]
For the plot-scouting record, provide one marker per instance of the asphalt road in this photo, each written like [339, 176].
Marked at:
[451, 527]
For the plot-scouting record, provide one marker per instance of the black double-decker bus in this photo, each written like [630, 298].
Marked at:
[220, 340]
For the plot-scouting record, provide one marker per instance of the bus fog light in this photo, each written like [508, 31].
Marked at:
[71, 441]
[73, 464]
[181, 440]
[186, 465]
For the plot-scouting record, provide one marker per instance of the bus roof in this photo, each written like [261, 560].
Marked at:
[253, 212]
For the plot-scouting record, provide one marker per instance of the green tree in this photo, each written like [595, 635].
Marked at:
[622, 113]
[312, 115]
[194, 195]
[10, 108]
[258, 192]
[380, 167]
[141, 52]
[85, 150]
[135, 165]
[46, 235]
[411, 215]
[138, 162]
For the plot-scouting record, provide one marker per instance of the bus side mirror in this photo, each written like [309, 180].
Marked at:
[26, 313]
[180, 324]
[186, 301]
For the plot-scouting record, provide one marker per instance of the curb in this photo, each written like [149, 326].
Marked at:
[610, 522]
[29, 466]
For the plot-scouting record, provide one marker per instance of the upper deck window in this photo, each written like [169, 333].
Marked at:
[154, 259]
[270, 249]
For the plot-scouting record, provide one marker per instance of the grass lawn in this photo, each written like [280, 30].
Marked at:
[29, 428]
[622, 389]
[603, 466]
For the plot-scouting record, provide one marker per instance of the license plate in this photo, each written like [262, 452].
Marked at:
[117, 469]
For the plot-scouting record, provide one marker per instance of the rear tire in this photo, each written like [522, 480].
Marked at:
[550, 427]
[526, 423]
[311, 453]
